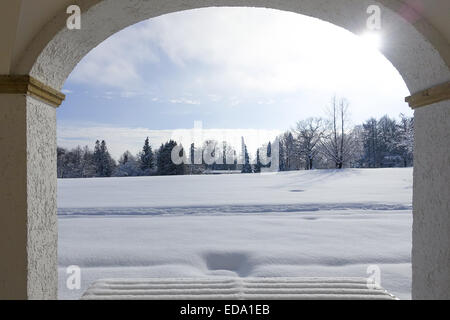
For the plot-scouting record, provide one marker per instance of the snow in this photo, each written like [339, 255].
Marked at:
[323, 223]
[238, 288]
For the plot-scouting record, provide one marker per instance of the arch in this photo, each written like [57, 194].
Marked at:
[55, 52]
[28, 128]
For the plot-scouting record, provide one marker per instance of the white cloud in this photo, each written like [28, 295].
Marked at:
[236, 57]
[270, 51]
[266, 102]
[245, 49]
[115, 62]
[184, 101]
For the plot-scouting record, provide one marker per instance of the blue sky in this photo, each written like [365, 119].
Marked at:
[243, 70]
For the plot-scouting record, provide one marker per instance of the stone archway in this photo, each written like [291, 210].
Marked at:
[28, 122]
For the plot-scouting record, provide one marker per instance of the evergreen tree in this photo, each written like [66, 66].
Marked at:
[224, 156]
[289, 148]
[97, 159]
[104, 164]
[371, 145]
[192, 158]
[268, 151]
[246, 168]
[192, 154]
[125, 157]
[258, 165]
[164, 160]
[282, 156]
[108, 164]
[146, 158]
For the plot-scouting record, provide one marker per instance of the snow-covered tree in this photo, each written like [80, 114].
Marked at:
[146, 158]
[246, 166]
[164, 161]
[257, 166]
[128, 166]
[387, 143]
[405, 142]
[75, 163]
[212, 155]
[289, 159]
[371, 155]
[104, 163]
[282, 155]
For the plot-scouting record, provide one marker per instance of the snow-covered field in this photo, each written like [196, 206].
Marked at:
[320, 223]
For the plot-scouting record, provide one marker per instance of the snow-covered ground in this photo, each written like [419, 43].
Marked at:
[320, 223]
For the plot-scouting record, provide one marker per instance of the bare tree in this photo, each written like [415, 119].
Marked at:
[337, 145]
[309, 135]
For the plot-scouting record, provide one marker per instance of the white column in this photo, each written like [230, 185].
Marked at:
[28, 221]
[431, 203]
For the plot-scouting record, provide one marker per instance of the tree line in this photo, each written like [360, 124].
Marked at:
[85, 163]
[314, 143]
[332, 142]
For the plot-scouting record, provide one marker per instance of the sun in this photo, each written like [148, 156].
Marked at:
[371, 40]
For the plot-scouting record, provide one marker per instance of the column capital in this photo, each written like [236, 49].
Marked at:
[25, 84]
[429, 96]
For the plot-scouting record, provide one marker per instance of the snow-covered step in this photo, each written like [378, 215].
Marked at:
[235, 288]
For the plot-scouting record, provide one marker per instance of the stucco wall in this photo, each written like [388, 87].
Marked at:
[28, 135]
[28, 237]
[431, 223]
[41, 190]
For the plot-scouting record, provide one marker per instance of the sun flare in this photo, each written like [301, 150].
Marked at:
[371, 40]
